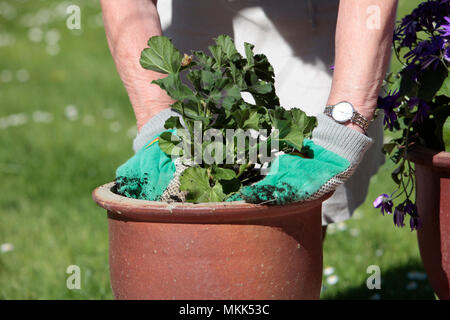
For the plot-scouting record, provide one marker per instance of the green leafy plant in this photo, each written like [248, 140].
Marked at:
[213, 100]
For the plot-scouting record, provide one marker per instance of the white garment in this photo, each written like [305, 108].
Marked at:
[297, 36]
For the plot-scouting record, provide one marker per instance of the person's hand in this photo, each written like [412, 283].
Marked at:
[331, 158]
[150, 173]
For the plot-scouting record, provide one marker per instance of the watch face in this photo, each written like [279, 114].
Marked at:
[342, 112]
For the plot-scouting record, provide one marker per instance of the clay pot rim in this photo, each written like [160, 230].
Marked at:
[439, 160]
[128, 209]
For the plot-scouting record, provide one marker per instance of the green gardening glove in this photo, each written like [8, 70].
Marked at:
[147, 174]
[150, 173]
[330, 159]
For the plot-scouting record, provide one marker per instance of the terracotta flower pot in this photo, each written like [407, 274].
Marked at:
[433, 205]
[229, 250]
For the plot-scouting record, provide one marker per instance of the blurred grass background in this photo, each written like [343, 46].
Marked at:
[65, 126]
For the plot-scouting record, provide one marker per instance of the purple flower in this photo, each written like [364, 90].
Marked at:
[410, 208]
[332, 67]
[423, 109]
[407, 30]
[415, 223]
[388, 104]
[445, 28]
[426, 53]
[447, 54]
[384, 202]
[399, 216]
[428, 16]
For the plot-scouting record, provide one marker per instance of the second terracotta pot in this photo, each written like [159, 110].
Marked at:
[230, 250]
[433, 205]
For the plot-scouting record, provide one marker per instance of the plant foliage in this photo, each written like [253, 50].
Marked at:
[211, 99]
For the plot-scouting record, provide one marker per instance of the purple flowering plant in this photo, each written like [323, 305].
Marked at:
[416, 103]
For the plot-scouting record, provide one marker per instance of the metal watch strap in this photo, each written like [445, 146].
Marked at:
[328, 110]
[360, 121]
[357, 118]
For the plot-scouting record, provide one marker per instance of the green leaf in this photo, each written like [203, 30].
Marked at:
[405, 82]
[430, 82]
[195, 180]
[294, 139]
[299, 118]
[186, 109]
[161, 56]
[445, 88]
[389, 147]
[226, 44]
[222, 173]
[252, 122]
[169, 144]
[203, 61]
[397, 173]
[263, 68]
[311, 123]
[173, 123]
[175, 88]
[302, 122]
[446, 137]
[232, 94]
[216, 52]
[279, 121]
[249, 53]
[261, 87]
[237, 75]
[231, 186]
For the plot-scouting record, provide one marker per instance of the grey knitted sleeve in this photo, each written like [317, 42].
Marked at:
[154, 126]
[345, 142]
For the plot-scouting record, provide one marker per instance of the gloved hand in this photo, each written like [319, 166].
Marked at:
[333, 154]
[151, 174]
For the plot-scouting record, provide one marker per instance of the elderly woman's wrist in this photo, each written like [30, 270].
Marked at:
[340, 139]
[152, 127]
[364, 101]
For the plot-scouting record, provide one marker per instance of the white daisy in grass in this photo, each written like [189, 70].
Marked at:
[7, 39]
[328, 271]
[108, 113]
[13, 120]
[332, 280]
[52, 37]
[6, 76]
[7, 11]
[354, 232]
[22, 75]
[341, 226]
[6, 247]
[132, 132]
[115, 126]
[35, 34]
[71, 112]
[52, 49]
[42, 117]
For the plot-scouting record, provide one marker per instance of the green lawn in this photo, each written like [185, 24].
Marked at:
[66, 124]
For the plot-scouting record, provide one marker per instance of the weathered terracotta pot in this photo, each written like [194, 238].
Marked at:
[229, 250]
[433, 205]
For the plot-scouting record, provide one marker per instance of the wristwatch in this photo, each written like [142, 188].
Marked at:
[344, 112]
